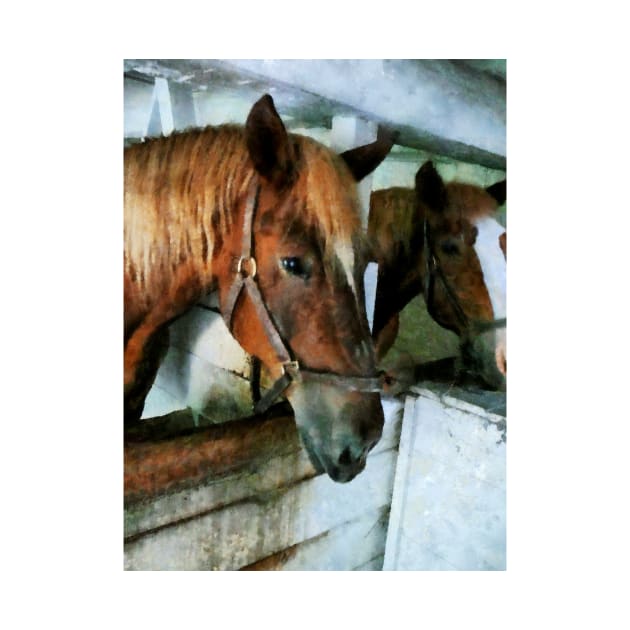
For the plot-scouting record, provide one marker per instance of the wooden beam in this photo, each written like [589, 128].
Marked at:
[155, 464]
[229, 496]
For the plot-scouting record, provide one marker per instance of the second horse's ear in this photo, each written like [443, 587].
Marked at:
[430, 189]
[363, 160]
[498, 191]
[268, 143]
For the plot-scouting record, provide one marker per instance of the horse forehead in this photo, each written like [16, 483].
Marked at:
[335, 241]
[470, 201]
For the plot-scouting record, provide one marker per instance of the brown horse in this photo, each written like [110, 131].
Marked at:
[443, 241]
[271, 221]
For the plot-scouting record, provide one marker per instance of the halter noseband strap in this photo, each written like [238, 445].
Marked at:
[245, 279]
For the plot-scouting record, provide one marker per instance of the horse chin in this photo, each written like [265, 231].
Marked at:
[312, 454]
[337, 428]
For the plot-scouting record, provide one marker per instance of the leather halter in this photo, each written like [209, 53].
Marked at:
[468, 327]
[245, 280]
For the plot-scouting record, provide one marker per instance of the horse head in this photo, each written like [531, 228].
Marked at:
[464, 257]
[298, 243]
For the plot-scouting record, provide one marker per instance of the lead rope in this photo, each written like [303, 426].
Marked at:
[433, 269]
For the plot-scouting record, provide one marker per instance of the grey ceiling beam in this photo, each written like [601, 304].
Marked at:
[436, 105]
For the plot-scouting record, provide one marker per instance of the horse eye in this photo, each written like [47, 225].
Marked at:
[449, 248]
[294, 266]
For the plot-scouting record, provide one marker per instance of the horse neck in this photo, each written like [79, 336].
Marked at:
[401, 276]
[190, 219]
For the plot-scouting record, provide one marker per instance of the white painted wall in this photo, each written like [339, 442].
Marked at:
[448, 505]
[137, 107]
[204, 369]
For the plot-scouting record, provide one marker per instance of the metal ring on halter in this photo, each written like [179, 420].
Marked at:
[251, 262]
[292, 368]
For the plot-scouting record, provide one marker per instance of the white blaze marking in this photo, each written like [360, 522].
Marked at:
[493, 267]
[370, 278]
[345, 253]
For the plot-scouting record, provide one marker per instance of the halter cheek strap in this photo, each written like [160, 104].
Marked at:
[245, 281]
[468, 326]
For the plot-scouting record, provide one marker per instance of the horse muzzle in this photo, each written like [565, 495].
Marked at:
[338, 428]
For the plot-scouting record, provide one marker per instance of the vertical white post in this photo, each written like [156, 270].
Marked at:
[161, 118]
[349, 132]
[171, 108]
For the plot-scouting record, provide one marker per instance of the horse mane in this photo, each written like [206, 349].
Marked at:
[332, 205]
[182, 190]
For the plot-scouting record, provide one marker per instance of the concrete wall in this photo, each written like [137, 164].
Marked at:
[448, 506]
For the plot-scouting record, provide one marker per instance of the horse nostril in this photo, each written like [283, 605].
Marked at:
[364, 431]
[345, 459]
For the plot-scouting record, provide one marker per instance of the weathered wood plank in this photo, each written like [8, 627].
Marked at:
[351, 546]
[172, 480]
[230, 495]
[155, 467]
[262, 480]
[246, 531]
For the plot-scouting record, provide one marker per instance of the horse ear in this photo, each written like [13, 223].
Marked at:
[363, 160]
[430, 188]
[498, 191]
[268, 143]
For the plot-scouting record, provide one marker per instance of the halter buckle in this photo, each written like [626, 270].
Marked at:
[247, 266]
[292, 368]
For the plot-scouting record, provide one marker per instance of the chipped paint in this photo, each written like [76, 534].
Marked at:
[448, 505]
